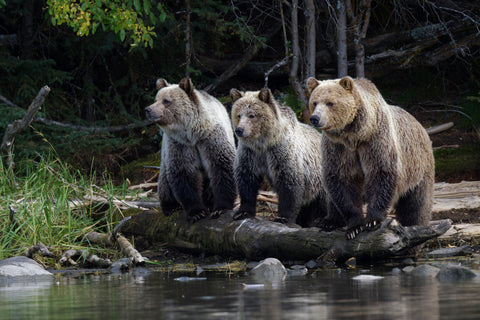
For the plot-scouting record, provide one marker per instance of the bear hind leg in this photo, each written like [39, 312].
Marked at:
[415, 207]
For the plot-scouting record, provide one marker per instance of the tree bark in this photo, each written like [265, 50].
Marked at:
[258, 239]
[295, 62]
[188, 40]
[310, 39]
[359, 21]
[342, 60]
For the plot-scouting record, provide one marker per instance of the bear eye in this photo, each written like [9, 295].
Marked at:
[329, 104]
[166, 102]
[314, 104]
[251, 116]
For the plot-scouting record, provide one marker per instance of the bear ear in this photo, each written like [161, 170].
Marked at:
[347, 83]
[265, 95]
[235, 94]
[312, 83]
[186, 85]
[161, 83]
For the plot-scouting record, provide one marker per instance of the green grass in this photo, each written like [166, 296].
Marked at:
[41, 192]
[460, 161]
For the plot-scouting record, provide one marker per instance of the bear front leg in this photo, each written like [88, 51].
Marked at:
[343, 181]
[248, 183]
[168, 202]
[219, 156]
[185, 180]
[380, 184]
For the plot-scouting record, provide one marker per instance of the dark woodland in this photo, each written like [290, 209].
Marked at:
[423, 55]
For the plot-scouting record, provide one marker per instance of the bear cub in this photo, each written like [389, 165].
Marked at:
[272, 143]
[373, 153]
[198, 151]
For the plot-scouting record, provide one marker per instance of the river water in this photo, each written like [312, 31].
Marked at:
[325, 294]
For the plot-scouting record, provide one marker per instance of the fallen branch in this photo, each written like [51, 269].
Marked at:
[257, 239]
[70, 257]
[439, 128]
[39, 247]
[125, 246]
[18, 125]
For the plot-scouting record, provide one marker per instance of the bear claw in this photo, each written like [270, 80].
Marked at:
[240, 215]
[199, 216]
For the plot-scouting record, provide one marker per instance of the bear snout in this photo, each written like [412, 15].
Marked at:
[318, 121]
[239, 131]
[152, 115]
[314, 120]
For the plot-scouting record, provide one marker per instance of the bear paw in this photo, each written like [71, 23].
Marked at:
[240, 215]
[353, 232]
[215, 214]
[202, 214]
[372, 223]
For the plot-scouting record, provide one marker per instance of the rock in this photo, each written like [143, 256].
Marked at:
[121, 265]
[297, 270]
[408, 269]
[312, 264]
[455, 273]
[367, 278]
[449, 252]
[22, 268]
[425, 270]
[270, 270]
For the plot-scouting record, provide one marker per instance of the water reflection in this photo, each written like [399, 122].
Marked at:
[327, 294]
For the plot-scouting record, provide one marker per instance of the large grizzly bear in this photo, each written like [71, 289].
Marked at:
[373, 153]
[198, 150]
[272, 143]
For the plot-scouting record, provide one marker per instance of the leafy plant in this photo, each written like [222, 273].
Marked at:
[40, 195]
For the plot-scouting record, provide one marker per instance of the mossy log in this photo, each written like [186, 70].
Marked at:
[258, 239]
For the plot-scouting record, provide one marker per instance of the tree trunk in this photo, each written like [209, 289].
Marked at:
[188, 41]
[359, 21]
[310, 39]
[295, 62]
[342, 61]
[258, 239]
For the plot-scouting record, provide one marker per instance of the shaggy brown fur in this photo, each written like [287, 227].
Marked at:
[198, 150]
[272, 143]
[373, 153]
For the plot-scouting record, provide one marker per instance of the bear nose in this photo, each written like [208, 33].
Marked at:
[239, 131]
[147, 112]
[314, 120]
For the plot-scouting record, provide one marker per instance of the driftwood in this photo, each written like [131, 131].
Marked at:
[257, 239]
[115, 238]
[439, 128]
[39, 248]
[69, 257]
[18, 125]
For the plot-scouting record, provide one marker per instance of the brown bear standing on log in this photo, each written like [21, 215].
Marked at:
[373, 153]
[272, 143]
[198, 151]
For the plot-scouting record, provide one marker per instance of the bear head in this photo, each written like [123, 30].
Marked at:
[253, 113]
[174, 104]
[333, 104]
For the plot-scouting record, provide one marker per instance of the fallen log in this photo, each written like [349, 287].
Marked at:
[258, 239]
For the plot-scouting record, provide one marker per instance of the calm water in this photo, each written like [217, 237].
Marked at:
[327, 294]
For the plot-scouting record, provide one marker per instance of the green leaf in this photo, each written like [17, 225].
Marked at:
[147, 6]
[122, 35]
[138, 6]
[163, 16]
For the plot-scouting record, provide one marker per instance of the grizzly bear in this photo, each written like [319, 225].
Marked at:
[373, 153]
[273, 144]
[198, 151]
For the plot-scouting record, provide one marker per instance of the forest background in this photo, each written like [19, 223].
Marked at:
[101, 60]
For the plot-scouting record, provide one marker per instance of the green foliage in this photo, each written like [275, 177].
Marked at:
[471, 107]
[452, 162]
[21, 80]
[291, 100]
[122, 17]
[40, 193]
